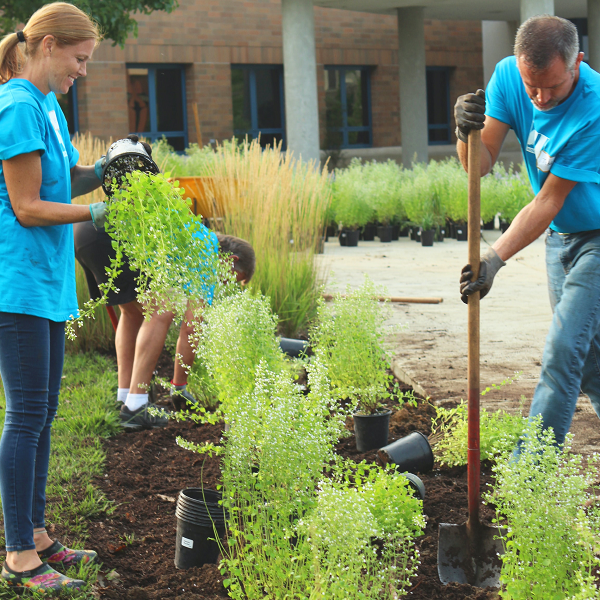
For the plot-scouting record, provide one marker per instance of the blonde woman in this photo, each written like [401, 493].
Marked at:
[38, 177]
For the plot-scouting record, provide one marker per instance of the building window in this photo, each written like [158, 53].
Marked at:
[438, 105]
[257, 94]
[156, 103]
[348, 107]
[68, 104]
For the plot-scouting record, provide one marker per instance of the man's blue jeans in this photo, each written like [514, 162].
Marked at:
[31, 362]
[571, 359]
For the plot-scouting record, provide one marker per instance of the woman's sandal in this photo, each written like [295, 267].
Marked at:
[61, 558]
[43, 579]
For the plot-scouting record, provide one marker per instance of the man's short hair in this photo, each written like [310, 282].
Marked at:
[542, 38]
[246, 262]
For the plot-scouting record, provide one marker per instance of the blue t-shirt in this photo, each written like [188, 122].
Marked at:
[38, 263]
[209, 247]
[564, 140]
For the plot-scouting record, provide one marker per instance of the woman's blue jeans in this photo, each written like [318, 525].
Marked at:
[31, 363]
[571, 359]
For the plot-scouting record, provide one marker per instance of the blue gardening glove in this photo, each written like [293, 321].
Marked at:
[98, 212]
[98, 166]
[490, 264]
[469, 113]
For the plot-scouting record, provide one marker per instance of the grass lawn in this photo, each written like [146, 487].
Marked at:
[86, 414]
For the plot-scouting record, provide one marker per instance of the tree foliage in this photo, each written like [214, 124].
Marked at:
[114, 16]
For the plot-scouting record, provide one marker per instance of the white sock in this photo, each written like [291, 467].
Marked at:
[122, 394]
[135, 401]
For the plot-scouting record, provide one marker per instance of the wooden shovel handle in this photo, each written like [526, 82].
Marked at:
[474, 167]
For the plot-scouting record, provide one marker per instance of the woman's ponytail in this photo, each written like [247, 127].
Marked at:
[12, 57]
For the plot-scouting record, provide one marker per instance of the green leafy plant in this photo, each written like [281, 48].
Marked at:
[350, 203]
[348, 338]
[551, 542]
[152, 225]
[517, 193]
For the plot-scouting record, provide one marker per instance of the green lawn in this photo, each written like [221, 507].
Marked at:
[86, 414]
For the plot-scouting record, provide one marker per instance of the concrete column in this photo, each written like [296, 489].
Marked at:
[530, 8]
[413, 85]
[593, 7]
[498, 39]
[300, 79]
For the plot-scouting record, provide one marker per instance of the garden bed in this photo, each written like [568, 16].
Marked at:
[146, 470]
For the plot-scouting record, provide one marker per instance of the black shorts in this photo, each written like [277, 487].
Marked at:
[94, 251]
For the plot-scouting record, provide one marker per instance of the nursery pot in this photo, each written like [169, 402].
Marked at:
[343, 238]
[395, 232]
[371, 431]
[331, 230]
[489, 226]
[368, 232]
[461, 232]
[418, 233]
[385, 233]
[351, 237]
[417, 486]
[125, 156]
[292, 347]
[198, 516]
[440, 234]
[427, 236]
[411, 453]
[404, 232]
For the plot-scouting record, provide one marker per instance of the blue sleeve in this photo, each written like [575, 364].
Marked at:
[495, 96]
[23, 130]
[579, 160]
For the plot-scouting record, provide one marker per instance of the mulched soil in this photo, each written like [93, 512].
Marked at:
[146, 470]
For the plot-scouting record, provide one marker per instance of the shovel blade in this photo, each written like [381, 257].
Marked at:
[471, 559]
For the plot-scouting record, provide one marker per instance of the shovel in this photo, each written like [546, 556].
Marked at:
[469, 553]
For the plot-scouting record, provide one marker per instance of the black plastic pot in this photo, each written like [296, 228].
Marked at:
[440, 234]
[331, 230]
[384, 233]
[427, 236]
[125, 156]
[371, 431]
[413, 233]
[395, 232]
[411, 453]
[343, 238]
[461, 232]
[418, 233]
[292, 347]
[199, 518]
[504, 226]
[368, 232]
[351, 237]
[451, 229]
[489, 226]
[404, 232]
[417, 486]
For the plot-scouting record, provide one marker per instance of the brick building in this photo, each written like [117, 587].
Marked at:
[226, 56]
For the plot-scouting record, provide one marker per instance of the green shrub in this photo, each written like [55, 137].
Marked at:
[551, 543]
[517, 193]
[348, 338]
[350, 202]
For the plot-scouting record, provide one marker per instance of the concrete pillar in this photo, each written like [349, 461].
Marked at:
[300, 79]
[498, 39]
[593, 8]
[413, 85]
[530, 8]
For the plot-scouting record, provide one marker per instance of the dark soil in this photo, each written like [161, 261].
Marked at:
[146, 470]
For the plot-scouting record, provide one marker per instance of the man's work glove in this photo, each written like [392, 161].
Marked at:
[98, 212]
[147, 147]
[490, 264]
[469, 113]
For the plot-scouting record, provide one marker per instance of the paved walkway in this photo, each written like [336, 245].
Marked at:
[431, 344]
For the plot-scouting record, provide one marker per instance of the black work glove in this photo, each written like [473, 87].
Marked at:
[490, 264]
[469, 113]
[147, 147]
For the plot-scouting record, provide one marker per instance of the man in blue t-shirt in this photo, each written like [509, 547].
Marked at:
[552, 102]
